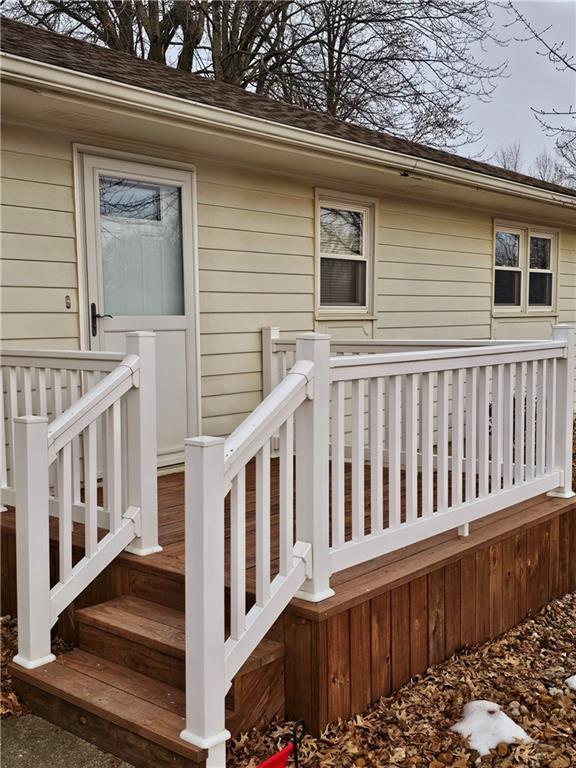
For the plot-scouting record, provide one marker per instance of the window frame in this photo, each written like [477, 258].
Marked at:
[526, 232]
[367, 207]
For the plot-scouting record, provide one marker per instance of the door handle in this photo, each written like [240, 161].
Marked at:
[95, 316]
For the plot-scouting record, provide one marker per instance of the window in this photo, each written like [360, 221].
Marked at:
[524, 263]
[344, 255]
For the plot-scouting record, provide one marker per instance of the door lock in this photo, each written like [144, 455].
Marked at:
[95, 316]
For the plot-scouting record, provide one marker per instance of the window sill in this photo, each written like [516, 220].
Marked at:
[517, 315]
[352, 315]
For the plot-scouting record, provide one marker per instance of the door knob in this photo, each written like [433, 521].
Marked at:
[95, 316]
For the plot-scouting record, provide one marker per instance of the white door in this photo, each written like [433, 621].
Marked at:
[141, 276]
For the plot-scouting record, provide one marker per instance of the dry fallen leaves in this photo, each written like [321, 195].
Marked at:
[523, 670]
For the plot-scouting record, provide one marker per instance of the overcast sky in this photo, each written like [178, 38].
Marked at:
[533, 81]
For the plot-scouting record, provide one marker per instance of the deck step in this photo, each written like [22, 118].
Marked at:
[149, 638]
[126, 713]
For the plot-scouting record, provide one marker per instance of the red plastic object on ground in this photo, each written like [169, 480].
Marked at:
[280, 759]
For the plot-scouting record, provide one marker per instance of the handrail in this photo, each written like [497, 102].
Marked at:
[247, 439]
[91, 405]
[72, 359]
[444, 359]
[345, 345]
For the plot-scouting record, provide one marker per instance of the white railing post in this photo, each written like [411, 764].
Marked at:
[564, 409]
[204, 537]
[312, 466]
[32, 541]
[142, 444]
[270, 361]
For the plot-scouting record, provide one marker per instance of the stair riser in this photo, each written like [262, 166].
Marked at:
[128, 746]
[133, 655]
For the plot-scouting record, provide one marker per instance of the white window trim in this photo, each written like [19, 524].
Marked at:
[327, 198]
[526, 231]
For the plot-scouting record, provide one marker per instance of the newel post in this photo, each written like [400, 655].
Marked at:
[312, 466]
[32, 541]
[142, 443]
[271, 375]
[204, 602]
[564, 409]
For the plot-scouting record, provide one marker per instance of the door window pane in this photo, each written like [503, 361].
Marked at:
[540, 252]
[342, 282]
[507, 249]
[141, 248]
[540, 289]
[507, 287]
[340, 231]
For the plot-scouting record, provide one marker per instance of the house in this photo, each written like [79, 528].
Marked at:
[411, 437]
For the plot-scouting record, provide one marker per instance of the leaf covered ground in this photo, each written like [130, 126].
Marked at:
[523, 670]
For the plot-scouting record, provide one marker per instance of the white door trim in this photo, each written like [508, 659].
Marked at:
[190, 261]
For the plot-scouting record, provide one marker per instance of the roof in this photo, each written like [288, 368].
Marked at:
[69, 53]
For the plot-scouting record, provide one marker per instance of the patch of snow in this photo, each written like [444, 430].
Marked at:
[571, 682]
[485, 726]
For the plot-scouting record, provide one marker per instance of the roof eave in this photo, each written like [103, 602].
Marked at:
[78, 84]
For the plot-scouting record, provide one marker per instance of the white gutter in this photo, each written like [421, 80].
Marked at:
[79, 85]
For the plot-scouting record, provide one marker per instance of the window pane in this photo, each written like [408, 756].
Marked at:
[141, 248]
[540, 289]
[341, 231]
[507, 287]
[121, 198]
[507, 249]
[342, 282]
[540, 252]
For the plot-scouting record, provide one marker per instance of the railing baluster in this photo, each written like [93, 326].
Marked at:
[90, 490]
[541, 418]
[357, 459]
[442, 452]
[3, 437]
[65, 512]
[519, 411]
[457, 435]
[550, 460]
[286, 503]
[56, 392]
[42, 394]
[113, 478]
[263, 525]
[238, 555]
[411, 451]
[337, 464]
[496, 447]
[471, 432]
[508, 424]
[73, 385]
[427, 443]
[12, 413]
[484, 374]
[531, 372]
[376, 454]
[27, 391]
[393, 399]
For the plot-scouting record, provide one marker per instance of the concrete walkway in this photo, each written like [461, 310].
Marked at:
[30, 742]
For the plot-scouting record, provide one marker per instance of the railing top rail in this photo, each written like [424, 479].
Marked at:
[286, 345]
[71, 359]
[247, 439]
[440, 354]
[91, 405]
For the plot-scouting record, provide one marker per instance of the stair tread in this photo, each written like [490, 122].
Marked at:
[150, 708]
[160, 627]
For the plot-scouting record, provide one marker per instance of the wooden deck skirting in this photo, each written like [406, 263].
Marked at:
[390, 618]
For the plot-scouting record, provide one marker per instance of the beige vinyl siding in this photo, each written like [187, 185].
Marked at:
[38, 269]
[434, 271]
[567, 284]
[255, 234]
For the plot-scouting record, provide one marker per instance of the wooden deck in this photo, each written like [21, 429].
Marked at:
[390, 618]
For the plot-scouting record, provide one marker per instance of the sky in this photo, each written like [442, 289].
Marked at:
[532, 81]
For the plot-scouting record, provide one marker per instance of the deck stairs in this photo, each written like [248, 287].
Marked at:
[122, 686]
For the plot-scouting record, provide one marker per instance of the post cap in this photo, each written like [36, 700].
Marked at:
[31, 419]
[204, 441]
[312, 336]
[141, 334]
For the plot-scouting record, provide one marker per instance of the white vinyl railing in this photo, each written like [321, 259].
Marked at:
[449, 431]
[297, 412]
[93, 462]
